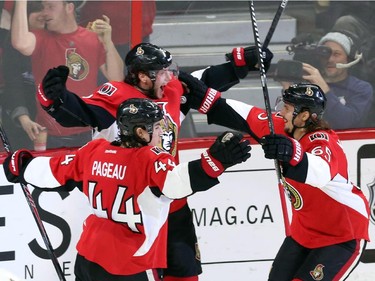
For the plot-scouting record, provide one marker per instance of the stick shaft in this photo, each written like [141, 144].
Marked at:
[262, 71]
[274, 23]
[263, 80]
[34, 211]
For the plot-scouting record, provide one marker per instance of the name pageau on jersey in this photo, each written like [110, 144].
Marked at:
[128, 228]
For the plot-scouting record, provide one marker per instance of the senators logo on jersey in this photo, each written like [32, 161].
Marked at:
[294, 196]
[170, 131]
[317, 273]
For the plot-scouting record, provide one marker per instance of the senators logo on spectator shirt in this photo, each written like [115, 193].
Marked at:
[78, 66]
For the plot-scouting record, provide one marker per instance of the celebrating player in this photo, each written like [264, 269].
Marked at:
[150, 74]
[329, 227]
[130, 184]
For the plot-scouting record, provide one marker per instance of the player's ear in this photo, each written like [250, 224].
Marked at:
[305, 115]
[142, 77]
[142, 134]
[139, 132]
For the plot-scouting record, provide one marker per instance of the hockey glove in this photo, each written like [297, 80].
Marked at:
[53, 86]
[246, 59]
[226, 151]
[15, 164]
[199, 96]
[282, 148]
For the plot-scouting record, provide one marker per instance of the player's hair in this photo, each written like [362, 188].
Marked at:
[137, 113]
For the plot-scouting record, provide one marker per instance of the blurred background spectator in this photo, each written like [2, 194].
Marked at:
[64, 42]
[18, 100]
[120, 14]
[327, 65]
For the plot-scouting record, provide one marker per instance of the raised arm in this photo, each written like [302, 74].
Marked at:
[229, 113]
[188, 178]
[239, 62]
[67, 108]
[113, 69]
[174, 181]
[209, 101]
[22, 39]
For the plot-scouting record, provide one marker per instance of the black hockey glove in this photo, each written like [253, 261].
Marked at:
[198, 95]
[15, 164]
[246, 59]
[226, 151]
[282, 148]
[53, 86]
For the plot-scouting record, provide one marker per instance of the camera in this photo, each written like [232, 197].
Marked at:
[304, 51]
[289, 70]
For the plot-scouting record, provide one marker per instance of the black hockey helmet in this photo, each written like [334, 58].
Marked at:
[137, 112]
[306, 96]
[147, 57]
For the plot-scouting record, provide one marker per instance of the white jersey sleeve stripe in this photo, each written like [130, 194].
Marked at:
[199, 73]
[177, 183]
[341, 191]
[39, 173]
[154, 214]
[338, 188]
[319, 173]
[241, 108]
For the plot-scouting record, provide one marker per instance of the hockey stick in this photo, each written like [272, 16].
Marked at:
[274, 23]
[263, 80]
[34, 211]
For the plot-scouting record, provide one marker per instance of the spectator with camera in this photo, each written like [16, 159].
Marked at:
[348, 98]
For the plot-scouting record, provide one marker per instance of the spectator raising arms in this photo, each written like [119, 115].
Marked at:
[64, 42]
[120, 14]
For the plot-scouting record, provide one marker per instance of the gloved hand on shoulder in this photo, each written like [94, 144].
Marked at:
[198, 95]
[15, 164]
[246, 59]
[53, 87]
[228, 149]
[282, 148]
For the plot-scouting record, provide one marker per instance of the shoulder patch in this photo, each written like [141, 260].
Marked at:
[262, 116]
[157, 150]
[319, 136]
[107, 89]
